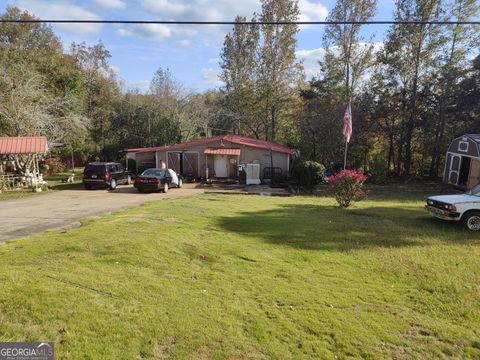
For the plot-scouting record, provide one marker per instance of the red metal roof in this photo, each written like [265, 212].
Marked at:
[222, 151]
[235, 139]
[23, 145]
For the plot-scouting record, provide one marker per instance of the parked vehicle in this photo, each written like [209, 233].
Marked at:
[105, 175]
[158, 180]
[462, 207]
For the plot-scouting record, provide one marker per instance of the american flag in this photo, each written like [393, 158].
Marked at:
[347, 123]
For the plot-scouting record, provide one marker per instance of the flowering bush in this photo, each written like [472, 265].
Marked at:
[347, 187]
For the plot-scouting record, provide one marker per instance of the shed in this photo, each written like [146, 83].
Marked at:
[462, 165]
[217, 156]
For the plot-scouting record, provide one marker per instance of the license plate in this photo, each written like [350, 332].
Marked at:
[94, 176]
[437, 211]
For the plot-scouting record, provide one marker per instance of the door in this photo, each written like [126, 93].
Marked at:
[474, 175]
[221, 166]
[454, 169]
[190, 164]
[173, 161]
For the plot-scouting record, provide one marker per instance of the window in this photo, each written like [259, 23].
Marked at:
[463, 146]
[159, 173]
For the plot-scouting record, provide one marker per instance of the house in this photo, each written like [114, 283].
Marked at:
[462, 165]
[216, 157]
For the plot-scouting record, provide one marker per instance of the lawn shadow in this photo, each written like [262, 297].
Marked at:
[331, 228]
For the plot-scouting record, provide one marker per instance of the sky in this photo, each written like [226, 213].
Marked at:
[190, 52]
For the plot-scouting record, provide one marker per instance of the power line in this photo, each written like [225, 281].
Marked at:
[175, 22]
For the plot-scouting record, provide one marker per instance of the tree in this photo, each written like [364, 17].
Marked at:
[239, 76]
[343, 42]
[459, 39]
[101, 89]
[279, 73]
[261, 73]
[411, 52]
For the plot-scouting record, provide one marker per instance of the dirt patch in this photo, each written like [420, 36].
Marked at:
[163, 350]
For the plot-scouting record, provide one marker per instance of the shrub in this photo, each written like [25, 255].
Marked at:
[347, 187]
[379, 171]
[307, 173]
[54, 166]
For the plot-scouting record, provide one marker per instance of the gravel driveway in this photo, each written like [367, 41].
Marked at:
[63, 209]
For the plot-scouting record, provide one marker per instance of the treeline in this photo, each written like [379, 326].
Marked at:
[74, 97]
[410, 95]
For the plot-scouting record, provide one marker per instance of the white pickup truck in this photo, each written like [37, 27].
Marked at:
[462, 207]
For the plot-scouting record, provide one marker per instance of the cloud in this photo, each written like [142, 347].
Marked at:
[312, 57]
[310, 60]
[152, 32]
[111, 4]
[310, 11]
[185, 43]
[142, 86]
[55, 10]
[206, 10]
[214, 60]
[210, 77]
[221, 10]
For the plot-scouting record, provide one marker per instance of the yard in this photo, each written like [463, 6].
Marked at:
[234, 277]
[54, 182]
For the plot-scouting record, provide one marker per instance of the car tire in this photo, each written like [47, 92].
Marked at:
[180, 183]
[87, 187]
[165, 188]
[140, 190]
[129, 180]
[113, 184]
[471, 221]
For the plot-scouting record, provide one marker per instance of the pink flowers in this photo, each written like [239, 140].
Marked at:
[347, 186]
[351, 174]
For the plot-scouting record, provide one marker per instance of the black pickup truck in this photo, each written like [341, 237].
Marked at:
[105, 175]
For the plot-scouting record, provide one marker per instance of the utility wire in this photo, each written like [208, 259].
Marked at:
[175, 22]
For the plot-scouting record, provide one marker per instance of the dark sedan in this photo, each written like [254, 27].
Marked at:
[158, 180]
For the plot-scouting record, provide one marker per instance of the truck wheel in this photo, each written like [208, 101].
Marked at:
[129, 180]
[87, 187]
[471, 220]
[165, 188]
[113, 184]
[180, 183]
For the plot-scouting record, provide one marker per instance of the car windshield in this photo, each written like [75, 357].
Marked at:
[160, 173]
[475, 191]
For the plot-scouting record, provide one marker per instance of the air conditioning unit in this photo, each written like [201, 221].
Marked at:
[253, 174]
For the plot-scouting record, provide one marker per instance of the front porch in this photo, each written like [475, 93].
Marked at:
[222, 163]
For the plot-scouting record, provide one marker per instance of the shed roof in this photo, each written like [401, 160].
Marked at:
[474, 138]
[23, 145]
[235, 139]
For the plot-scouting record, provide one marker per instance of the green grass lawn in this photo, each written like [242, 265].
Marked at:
[233, 277]
[54, 182]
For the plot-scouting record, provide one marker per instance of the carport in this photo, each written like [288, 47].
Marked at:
[19, 159]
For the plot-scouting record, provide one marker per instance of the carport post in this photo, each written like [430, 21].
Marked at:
[206, 167]
[181, 162]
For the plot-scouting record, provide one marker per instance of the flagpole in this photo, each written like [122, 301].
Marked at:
[348, 107]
